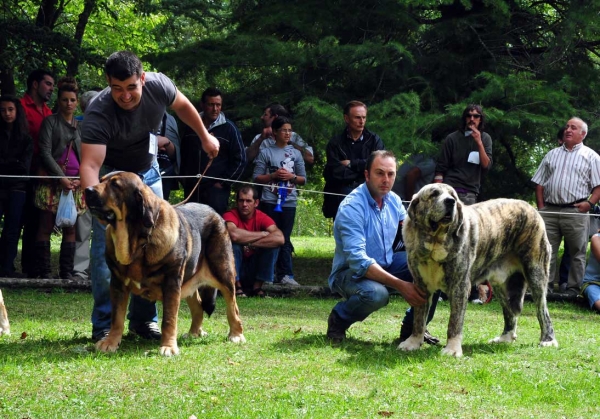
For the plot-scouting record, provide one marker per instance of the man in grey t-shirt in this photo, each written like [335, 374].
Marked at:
[120, 134]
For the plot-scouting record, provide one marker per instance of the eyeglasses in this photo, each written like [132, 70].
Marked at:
[285, 131]
[473, 115]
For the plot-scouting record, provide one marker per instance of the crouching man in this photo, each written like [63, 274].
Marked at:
[256, 241]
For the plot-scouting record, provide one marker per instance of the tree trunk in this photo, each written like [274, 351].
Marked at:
[73, 64]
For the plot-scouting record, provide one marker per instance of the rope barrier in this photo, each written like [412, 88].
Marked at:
[244, 182]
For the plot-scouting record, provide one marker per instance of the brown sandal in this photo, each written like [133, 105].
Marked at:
[239, 292]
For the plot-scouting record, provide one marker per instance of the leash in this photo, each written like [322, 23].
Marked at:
[195, 186]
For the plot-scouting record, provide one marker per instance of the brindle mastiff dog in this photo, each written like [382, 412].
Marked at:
[451, 245]
[163, 253]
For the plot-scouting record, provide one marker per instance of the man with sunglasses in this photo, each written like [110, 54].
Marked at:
[466, 155]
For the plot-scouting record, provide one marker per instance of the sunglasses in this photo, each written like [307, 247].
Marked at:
[474, 115]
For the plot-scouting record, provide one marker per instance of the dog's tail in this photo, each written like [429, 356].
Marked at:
[209, 299]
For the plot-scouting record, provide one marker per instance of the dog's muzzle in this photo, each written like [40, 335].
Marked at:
[449, 205]
[96, 206]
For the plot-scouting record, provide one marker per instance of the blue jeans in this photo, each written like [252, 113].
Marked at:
[12, 209]
[140, 309]
[364, 296]
[285, 222]
[592, 293]
[258, 267]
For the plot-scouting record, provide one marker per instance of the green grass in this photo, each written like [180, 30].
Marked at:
[288, 370]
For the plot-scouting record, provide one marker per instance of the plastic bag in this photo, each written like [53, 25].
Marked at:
[66, 215]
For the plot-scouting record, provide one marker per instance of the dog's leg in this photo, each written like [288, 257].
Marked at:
[4, 325]
[119, 298]
[195, 305]
[458, 298]
[415, 340]
[509, 334]
[171, 300]
[538, 289]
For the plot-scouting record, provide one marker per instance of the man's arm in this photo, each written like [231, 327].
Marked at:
[271, 238]
[594, 198]
[92, 158]
[188, 114]
[254, 148]
[484, 159]
[539, 196]
[413, 295]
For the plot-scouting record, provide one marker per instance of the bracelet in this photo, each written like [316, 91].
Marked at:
[590, 203]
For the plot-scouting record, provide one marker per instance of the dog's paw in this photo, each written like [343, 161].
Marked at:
[108, 345]
[411, 344]
[453, 348]
[4, 331]
[191, 335]
[549, 343]
[171, 350]
[505, 338]
[236, 338]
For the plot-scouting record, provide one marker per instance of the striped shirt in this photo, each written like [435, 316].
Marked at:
[568, 176]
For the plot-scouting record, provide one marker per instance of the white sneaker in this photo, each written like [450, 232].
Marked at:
[288, 280]
[477, 301]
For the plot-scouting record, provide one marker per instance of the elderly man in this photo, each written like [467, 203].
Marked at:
[364, 264]
[347, 155]
[564, 181]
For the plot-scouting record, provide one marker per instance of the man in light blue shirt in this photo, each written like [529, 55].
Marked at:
[364, 264]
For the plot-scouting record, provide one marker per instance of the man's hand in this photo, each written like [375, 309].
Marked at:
[413, 295]
[267, 132]
[476, 134]
[211, 146]
[345, 162]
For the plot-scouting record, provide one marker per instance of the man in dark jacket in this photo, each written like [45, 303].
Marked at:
[347, 156]
[227, 166]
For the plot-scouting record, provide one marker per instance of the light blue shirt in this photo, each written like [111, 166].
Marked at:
[364, 233]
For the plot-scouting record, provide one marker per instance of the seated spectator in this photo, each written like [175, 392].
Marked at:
[256, 241]
[60, 148]
[16, 150]
[281, 167]
[591, 279]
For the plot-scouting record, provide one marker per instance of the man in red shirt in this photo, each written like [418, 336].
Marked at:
[40, 85]
[256, 241]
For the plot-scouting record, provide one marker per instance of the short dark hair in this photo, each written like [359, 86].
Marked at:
[277, 109]
[246, 189]
[122, 65]
[353, 104]
[279, 122]
[378, 153]
[469, 108]
[560, 134]
[210, 92]
[37, 76]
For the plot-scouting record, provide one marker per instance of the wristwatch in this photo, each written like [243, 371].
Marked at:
[295, 179]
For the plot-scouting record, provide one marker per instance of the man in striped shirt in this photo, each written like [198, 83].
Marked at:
[566, 189]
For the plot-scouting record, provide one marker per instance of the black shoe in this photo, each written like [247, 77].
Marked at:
[336, 328]
[148, 330]
[98, 336]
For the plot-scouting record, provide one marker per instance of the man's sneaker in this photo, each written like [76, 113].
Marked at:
[148, 330]
[99, 335]
[288, 280]
[562, 288]
[336, 328]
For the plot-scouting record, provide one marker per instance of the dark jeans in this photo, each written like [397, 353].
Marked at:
[30, 221]
[285, 221]
[12, 209]
[214, 197]
[258, 267]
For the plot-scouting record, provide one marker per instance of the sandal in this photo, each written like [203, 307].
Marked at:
[258, 293]
[239, 292]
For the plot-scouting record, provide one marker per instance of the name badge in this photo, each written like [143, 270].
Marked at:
[153, 146]
[474, 157]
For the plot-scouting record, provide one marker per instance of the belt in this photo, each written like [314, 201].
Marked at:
[567, 205]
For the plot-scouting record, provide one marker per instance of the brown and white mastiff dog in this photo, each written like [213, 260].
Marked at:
[4, 326]
[452, 246]
[163, 253]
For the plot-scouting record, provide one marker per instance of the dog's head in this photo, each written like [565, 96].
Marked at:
[436, 206]
[130, 208]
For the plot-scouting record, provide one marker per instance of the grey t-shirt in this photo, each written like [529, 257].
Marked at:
[427, 167]
[272, 159]
[126, 134]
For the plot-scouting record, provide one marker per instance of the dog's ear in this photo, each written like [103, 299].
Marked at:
[145, 210]
[413, 206]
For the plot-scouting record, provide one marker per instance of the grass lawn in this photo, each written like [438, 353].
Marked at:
[48, 368]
